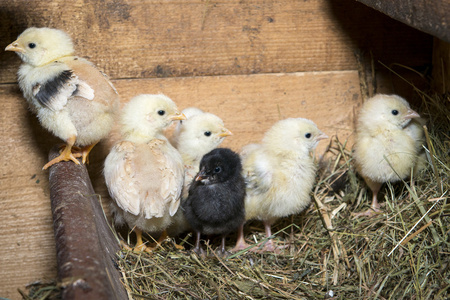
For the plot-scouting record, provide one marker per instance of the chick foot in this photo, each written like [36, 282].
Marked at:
[241, 244]
[65, 155]
[140, 246]
[270, 246]
[368, 213]
[374, 209]
[198, 249]
[222, 252]
[84, 153]
[164, 236]
[136, 249]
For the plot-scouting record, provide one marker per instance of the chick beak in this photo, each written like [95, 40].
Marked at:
[178, 116]
[14, 46]
[225, 132]
[411, 114]
[321, 136]
[200, 176]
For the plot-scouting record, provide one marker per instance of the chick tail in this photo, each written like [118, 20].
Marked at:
[65, 155]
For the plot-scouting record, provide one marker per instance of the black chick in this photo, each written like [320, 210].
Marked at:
[215, 204]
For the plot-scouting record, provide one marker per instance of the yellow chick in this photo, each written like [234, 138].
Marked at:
[144, 173]
[279, 174]
[388, 143]
[199, 134]
[70, 96]
[188, 113]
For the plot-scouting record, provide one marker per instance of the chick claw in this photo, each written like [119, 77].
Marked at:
[84, 153]
[65, 155]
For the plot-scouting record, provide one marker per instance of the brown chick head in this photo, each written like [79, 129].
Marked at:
[293, 134]
[387, 111]
[201, 133]
[148, 115]
[39, 46]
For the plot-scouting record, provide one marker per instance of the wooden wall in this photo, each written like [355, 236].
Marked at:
[250, 62]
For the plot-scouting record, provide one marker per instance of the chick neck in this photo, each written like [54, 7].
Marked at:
[283, 153]
[43, 61]
[140, 137]
[375, 128]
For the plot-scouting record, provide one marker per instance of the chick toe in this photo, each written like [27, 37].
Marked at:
[65, 155]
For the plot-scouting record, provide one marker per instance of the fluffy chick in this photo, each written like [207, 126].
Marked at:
[388, 143]
[188, 112]
[215, 204]
[279, 174]
[144, 172]
[70, 96]
[199, 134]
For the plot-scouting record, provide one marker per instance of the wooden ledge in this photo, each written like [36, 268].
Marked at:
[432, 17]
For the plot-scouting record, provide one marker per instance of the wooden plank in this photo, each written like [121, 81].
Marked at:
[28, 247]
[432, 17]
[248, 104]
[153, 38]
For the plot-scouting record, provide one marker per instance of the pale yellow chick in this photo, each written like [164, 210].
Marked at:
[188, 112]
[70, 96]
[388, 143]
[199, 134]
[279, 174]
[144, 173]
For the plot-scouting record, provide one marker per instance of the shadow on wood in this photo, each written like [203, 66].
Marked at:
[85, 245]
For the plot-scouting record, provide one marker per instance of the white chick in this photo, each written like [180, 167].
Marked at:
[279, 174]
[199, 134]
[144, 173]
[70, 96]
[388, 143]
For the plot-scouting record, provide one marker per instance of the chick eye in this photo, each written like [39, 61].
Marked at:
[394, 112]
[308, 135]
[161, 112]
[207, 133]
[217, 170]
[32, 45]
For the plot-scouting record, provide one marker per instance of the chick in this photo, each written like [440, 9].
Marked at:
[279, 174]
[198, 135]
[387, 143]
[70, 96]
[144, 172]
[188, 112]
[215, 204]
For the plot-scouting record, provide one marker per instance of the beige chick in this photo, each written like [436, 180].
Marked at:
[279, 174]
[143, 172]
[199, 134]
[388, 143]
[70, 96]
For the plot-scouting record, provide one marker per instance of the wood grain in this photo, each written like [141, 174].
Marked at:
[152, 38]
[249, 105]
